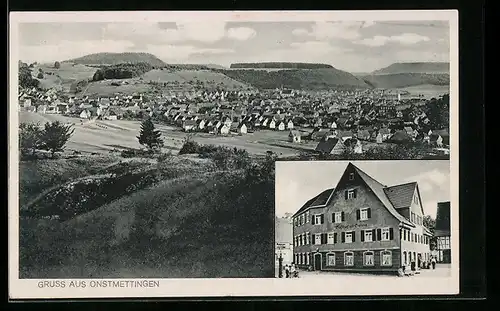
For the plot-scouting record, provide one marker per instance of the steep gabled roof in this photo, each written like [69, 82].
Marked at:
[401, 196]
[378, 190]
[326, 144]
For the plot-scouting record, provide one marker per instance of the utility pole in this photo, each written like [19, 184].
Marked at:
[280, 266]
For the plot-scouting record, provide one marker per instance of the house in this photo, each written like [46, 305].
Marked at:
[439, 138]
[242, 128]
[400, 137]
[85, 114]
[344, 135]
[188, 125]
[333, 125]
[224, 129]
[110, 114]
[283, 238]
[384, 133]
[52, 109]
[281, 126]
[318, 134]
[41, 109]
[272, 124]
[330, 145]
[442, 232]
[201, 123]
[289, 125]
[361, 225]
[294, 136]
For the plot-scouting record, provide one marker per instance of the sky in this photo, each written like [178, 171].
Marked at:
[352, 46]
[297, 182]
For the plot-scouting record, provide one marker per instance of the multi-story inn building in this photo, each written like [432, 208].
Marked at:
[361, 225]
[443, 233]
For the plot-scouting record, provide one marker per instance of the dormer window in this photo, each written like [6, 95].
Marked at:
[350, 194]
[351, 176]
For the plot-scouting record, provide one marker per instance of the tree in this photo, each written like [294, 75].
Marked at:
[149, 136]
[30, 137]
[430, 223]
[55, 135]
[57, 65]
[40, 75]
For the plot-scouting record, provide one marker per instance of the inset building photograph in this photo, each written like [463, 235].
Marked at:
[366, 217]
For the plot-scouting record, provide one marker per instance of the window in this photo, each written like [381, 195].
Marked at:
[330, 259]
[308, 238]
[415, 198]
[368, 259]
[386, 234]
[349, 259]
[404, 235]
[331, 238]
[368, 235]
[301, 240]
[350, 194]
[302, 219]
[349, 237]
[307, 258]
[317, 238]
[351, 176]
[307, 217]
[318, 219]
[364, 214]
[386, 258]
[338, 217]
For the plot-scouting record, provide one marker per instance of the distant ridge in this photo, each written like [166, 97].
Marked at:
[419, 67]
[118, 58]
[278, 65]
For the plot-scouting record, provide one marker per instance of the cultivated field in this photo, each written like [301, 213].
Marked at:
[206, 77]
[63, 77]
[105, 136]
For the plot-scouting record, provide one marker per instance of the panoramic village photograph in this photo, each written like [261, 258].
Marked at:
[359, 219]
[148, 149]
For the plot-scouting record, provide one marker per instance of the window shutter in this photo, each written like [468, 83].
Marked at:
[333, 217]
[355, 193]
[313, 219]
[362, 235]
[353, 236]
[345, 194]
[325, 238]
[379, 234]
[369, 213]
[322, 218]
[391, 234]
[358, 214]
[313, 239]
[343, 237]
[343, 216]
[374, 235]
[335, 238]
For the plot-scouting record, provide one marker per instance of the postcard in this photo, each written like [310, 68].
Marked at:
[233, 154]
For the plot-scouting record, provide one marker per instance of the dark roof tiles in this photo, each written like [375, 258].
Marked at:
[401, 195]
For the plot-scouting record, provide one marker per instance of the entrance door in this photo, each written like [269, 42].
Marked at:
[317, 261]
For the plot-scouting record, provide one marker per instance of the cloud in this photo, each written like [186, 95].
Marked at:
[348, 30]
[241, 33]
[65, 50]
[413, 55]
[309, 51]
[406, 39]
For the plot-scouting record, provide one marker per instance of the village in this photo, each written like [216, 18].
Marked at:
[326, 122]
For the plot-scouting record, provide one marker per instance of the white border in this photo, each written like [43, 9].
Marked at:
[28, 289]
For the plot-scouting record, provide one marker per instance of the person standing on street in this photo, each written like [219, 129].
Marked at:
[433, 262]
[292, 271]
[287, 271]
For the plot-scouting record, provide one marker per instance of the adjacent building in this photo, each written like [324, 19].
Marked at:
[442, 232]
[283, 238]
[361, 225]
